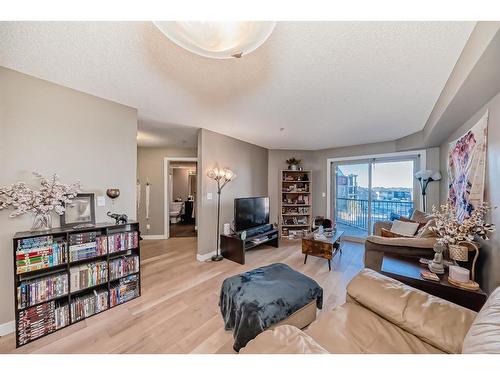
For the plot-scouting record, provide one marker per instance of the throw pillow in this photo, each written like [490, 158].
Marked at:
[426, 231]
[404, 228]
[420, 225]
[388, 234]
[420, 217]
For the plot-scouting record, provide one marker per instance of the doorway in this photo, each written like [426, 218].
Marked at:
[366, 190]
[180, 197]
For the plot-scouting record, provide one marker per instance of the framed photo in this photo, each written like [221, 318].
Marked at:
[80, 212]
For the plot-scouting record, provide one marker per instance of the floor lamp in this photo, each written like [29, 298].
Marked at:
[222, 177]
[424, 177]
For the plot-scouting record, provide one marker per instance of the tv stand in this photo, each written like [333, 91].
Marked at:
[234, 248]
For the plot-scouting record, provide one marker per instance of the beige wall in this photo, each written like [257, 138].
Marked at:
[489, 260]
[277, 163]
[53, 129]
[248, 161]
[150, 168]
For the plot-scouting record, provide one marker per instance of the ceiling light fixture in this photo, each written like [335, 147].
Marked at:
[217, 40]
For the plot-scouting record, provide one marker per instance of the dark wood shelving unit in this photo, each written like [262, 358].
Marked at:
[295, 209]
[105, 229]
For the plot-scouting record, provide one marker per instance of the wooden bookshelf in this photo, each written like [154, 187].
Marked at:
[295, 209]
[39, 311]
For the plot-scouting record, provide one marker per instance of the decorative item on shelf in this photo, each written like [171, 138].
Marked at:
[437, 264]
[119, 218]
[459, 277]
[471, 246]
[113, 193]
[293, 164]
[80, 213]
[458, 235]
[458, 252]
[217, 40]
[222, 176]
[424, 177]
[52, 196]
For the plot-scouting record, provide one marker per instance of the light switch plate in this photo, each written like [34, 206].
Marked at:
[323, 194]
[101, 201]
[209, 196]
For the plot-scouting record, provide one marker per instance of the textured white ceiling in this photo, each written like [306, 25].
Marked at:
[328, 84]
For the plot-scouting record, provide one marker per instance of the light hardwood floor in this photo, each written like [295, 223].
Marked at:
[178, 311]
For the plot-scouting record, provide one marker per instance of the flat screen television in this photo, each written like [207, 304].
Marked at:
[250, 212]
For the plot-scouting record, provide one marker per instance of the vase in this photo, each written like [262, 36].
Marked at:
[293, 167]
[459, 252]
[42, 221]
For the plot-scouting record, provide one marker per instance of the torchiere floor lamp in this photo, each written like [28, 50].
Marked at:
[222, 177]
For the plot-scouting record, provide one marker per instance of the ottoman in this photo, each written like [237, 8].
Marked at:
[265, 297]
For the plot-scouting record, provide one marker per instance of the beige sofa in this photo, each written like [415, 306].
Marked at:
[382, 315]
[376, 245]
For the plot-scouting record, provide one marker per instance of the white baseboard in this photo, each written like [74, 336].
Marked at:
[7, 328]
[154, 237]
[204, 257]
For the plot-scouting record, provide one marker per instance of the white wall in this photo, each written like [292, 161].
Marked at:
[489, 259]
[53, 129]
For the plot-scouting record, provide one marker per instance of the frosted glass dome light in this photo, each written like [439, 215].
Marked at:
[217, 40]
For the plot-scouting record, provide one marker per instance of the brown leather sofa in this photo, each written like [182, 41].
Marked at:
[376, 245]
[382, 315]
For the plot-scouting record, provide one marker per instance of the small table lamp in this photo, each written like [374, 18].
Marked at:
[222, 176]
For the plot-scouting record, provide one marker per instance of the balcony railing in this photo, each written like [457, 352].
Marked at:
[354, 212]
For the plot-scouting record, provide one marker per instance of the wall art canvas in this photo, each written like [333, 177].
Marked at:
[467, 169]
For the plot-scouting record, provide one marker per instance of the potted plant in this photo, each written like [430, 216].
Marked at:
[293, 164]
[52, 196]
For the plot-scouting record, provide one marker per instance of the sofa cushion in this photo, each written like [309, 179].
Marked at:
[426, 243]
[405, 228]
[284, 339]
[420, 217]
[426, 231]
[484, 334]
[440, 323]
[353, 329]
[388, 234]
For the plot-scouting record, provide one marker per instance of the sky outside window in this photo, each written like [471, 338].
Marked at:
[390, 174]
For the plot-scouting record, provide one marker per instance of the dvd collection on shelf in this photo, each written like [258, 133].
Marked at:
[49, 298]
[40, 320]
[87, 245]
[124, 290]
[89, 304]
[123, 241]
[123, 266]
[31, 292]
[37, 253]
[88, 275]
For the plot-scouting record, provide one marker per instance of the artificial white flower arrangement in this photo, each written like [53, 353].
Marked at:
[450, 231]
[52, 196]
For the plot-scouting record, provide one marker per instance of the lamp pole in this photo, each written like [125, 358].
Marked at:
[217, 257]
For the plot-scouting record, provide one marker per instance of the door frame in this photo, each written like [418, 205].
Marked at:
[421, 154]
[166, 166]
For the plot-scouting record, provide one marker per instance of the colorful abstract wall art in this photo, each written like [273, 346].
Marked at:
[467, 169]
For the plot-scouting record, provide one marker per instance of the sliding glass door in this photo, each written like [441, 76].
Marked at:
[352, 188]
[366, 191]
